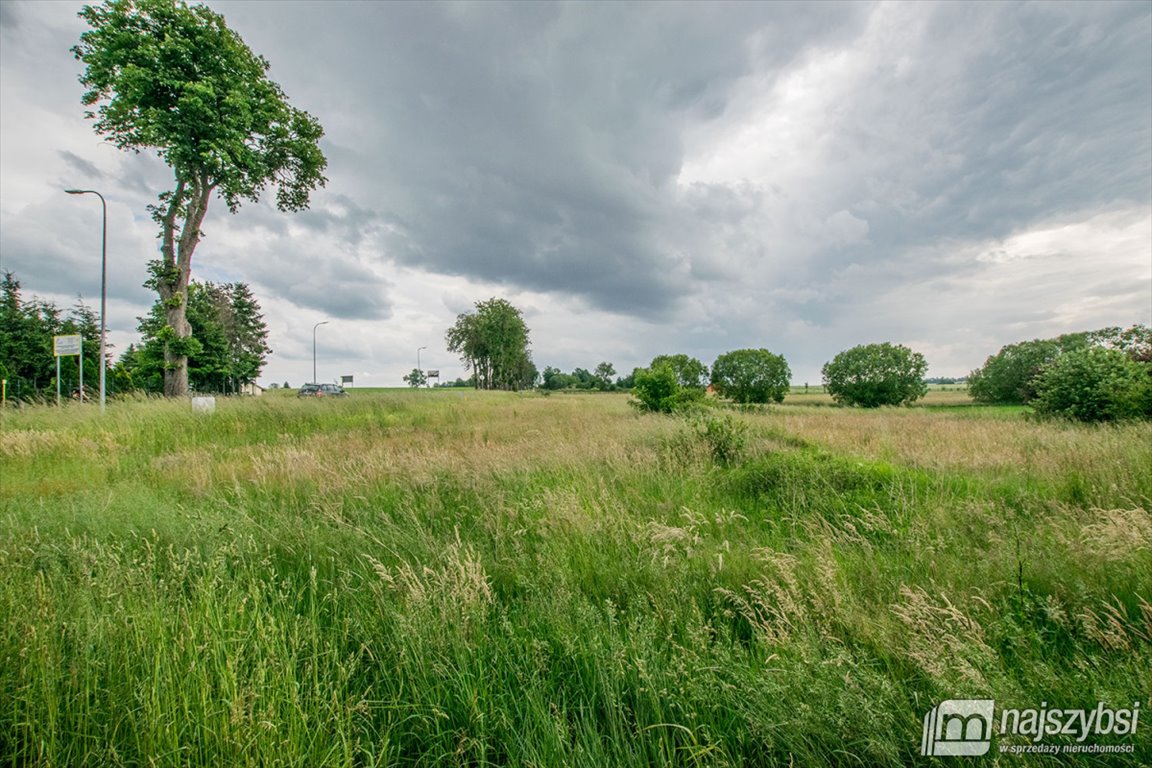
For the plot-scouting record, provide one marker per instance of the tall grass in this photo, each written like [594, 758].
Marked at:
[454, 578]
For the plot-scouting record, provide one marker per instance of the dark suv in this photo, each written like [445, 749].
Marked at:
[321, 390]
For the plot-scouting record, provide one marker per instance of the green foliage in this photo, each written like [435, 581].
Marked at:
[690, 372]
[415, 378]
[227, 347]
[1008, 377]
[658, 389]
[655, 388]
[1095, 384]
[601, 379]
[751, 376]
[1135, 341]
[554, 379]
[493, 343]
[872, 375]
[603, 376]
[725, 436]
[173, 78]
[26, 354]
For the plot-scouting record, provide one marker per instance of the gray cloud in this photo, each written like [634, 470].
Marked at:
[715, 175]
[86, 168]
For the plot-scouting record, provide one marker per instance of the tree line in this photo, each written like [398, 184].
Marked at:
[27, 327]
[1098, 375]
[227, 347]
[1101, 375]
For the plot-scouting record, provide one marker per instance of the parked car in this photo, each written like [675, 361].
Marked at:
[321, 390]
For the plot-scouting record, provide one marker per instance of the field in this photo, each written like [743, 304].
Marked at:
[450, 578]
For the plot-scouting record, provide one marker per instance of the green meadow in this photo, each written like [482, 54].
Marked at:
[453, 578]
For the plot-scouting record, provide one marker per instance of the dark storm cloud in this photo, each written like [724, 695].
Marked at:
[716, 174]
[9, 18]
[1031, 112]
[538, 144]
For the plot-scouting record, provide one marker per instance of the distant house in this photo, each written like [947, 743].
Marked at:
[252, 388]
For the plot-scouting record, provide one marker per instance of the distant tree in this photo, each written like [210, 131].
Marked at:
[872, 375]
[554, 379]
[493, 343]
[1011, 375]
[584, 379]
[286, 386]
[658, 389]
[690, 372]
[416, 378]
[1008, 376]
[175, 79]
[751, 376]
[1095, 384]
[603, 376]
[245, 332]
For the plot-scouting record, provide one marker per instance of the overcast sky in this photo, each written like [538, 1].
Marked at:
[638, 178]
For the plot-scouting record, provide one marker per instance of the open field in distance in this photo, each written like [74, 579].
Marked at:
[445, 577]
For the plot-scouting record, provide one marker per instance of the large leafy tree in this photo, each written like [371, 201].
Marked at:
[172, 78]
[751, 376]
[493, 343]
[872, 375]
[1009, 375]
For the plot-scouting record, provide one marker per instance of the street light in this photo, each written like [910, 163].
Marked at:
[418, 368]
[322, 322]
[103, 288]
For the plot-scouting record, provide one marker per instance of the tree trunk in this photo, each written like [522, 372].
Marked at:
[190, 199]
[174, 298]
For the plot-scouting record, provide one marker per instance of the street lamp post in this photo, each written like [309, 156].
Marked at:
[103, 290]
[418, 368]
[322, 322]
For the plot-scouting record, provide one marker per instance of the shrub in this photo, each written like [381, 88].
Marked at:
[724, 435]
[872, 375]
[751, 376]
[658, 389]
[1095, 384]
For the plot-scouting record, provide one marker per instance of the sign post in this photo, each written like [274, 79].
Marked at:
[66, 346]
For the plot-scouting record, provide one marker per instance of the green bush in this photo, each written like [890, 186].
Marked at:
[751, 376]
[872, 375]
[690, 372]
[724, 436]
[658, 389]
[1095, 384]
[1009, 376]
